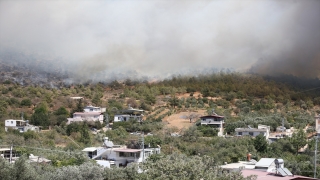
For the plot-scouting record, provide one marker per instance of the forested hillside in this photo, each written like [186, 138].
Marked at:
[244, 99]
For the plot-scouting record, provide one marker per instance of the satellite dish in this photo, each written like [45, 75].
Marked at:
[107, 142]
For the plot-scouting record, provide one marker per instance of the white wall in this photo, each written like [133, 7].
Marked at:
[10, 123]
[121, 117]
[246, 133]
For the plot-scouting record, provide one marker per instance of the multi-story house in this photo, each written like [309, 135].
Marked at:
[21, 125]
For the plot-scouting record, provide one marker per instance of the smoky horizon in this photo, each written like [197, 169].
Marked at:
[105, 40]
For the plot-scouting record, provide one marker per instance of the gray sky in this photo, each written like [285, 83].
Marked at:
[102, 39]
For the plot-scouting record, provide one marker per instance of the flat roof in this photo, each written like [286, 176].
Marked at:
[245, 164]
[128, 150]
[250, 130]
[263, 175]
[265, 162]
[131, 110]
[122, 114]
[15, 120]
[89, 149]
[87, 113]
[92, 107]
[4, 149]
[76, 97]
[212, 116]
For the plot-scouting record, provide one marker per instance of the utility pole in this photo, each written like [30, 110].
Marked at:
[107, 121]
[10, 159]
[141, 142]
[142, 138]
[315, 157]
[282, 125]
[317, 118]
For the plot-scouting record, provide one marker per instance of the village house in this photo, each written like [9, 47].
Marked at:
[129, 114]
[10, 154]
[94, 109]
[263, 175]
[21, 125]
[262, 129]
[265, 168]
[116, 155]
[214, 121]
[90, 113]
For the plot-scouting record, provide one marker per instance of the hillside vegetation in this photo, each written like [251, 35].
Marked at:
[245, 100]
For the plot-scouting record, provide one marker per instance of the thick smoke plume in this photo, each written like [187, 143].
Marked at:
[103, 40]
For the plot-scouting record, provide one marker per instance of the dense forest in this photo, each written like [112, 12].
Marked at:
[243, 99]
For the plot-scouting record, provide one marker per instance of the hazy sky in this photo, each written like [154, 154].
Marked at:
[98, 38]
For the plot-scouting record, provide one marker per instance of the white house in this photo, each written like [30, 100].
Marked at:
[118, 155]
[262, 129]
[214, 120]
[271, 168]
[90, 113]
[21, 125]
[127, 114]
[91, 108]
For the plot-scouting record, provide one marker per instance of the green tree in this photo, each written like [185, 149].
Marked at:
[260, 143]
[26, 102]
[79, 107]
[40, 117]
[97, 99]
[174, 102]
[85, 136]
[61, 111]
[153, 141]
[5, 169]
[179, 166]
[3, 108]
[191, 134]
[299, 140]
[23, 170]
[59, 116]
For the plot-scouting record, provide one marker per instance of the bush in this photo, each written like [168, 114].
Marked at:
[208, 131]
[26, 102]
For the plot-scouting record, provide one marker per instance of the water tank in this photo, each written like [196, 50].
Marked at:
[279, 163]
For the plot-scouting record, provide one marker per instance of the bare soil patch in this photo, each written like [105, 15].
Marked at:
[178, 120]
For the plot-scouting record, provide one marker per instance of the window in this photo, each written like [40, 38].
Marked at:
[147, 154]
[11, 122]
[240, 133]
[121, 154]
[251, 133]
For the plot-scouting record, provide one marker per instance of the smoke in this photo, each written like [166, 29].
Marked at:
[295, 47]
[103, 40]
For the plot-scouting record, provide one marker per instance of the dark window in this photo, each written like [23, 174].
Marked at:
[251, 133]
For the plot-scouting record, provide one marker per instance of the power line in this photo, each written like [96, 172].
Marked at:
[66, 152]
[42, 149]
